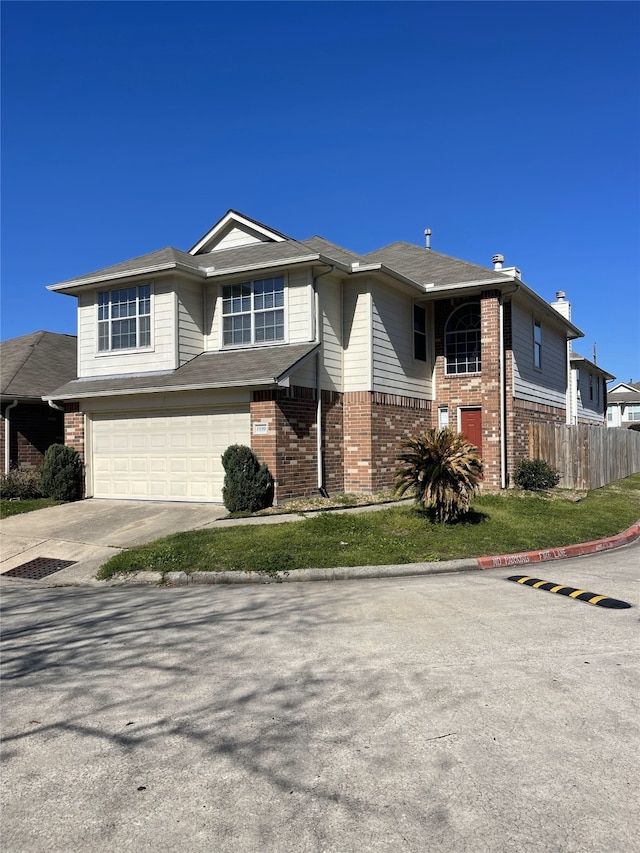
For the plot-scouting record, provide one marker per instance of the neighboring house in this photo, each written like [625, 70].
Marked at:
[623, 405]
[32, 366]
[321, 359]
[587, 392]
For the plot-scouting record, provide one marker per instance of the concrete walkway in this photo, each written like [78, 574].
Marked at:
[90, 532]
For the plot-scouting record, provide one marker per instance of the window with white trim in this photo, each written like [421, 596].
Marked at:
[537, 344]
[124, 318]
[253, 312]
[462, 339]
[633, 412]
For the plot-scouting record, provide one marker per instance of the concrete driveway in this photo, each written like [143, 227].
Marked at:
[90, 532]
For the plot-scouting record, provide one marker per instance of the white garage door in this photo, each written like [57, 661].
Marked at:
[165, 457]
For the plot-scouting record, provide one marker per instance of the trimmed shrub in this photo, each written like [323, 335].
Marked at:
[62, 475]
[535, 475]
[248, 485]
[20, 484]
[441, 469]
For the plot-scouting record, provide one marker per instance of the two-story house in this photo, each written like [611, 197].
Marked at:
[623, 405]
[319, 358]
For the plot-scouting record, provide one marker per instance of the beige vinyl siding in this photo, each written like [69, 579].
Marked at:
[330, 292]
[239, 237]
[299, 306]
[395, 370]
[549, 384]
[213, 319]
[190, 322]
[356, 306]
[161, 356]
[329, 303]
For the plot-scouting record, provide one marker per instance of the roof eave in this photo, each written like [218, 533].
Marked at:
[573, 332]
[212, 272]
[99, 278]
[164, 389]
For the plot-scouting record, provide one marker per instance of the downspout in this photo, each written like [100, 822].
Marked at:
[55, 406]
[317, 330]
[503, 393]
[503, 407]
[7, 436]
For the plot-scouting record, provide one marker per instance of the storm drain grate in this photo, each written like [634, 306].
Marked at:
[39, 568]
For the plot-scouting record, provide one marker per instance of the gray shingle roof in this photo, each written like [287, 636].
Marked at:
[248, 368]
[253, 255]
[35, 364]
[428, 267]
[330, 250]
[623, 395]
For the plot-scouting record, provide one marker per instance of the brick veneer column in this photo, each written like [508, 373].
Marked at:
[74, 428]
[475, 389]
[358, 467]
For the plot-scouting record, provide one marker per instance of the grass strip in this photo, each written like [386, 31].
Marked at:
[497, 524]
[9, 507]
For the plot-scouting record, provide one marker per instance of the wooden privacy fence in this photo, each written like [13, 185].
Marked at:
[587, 457]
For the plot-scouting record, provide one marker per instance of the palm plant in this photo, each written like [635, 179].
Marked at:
[442, 469]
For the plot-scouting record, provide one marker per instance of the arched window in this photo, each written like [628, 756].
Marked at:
[462, 337]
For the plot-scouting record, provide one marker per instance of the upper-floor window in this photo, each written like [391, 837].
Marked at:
[419, 333]
[462, 339]
[633, 412]
[124, 318]
[253, 312]
[537, 344]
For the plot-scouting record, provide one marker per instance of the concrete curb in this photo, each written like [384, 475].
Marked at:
[629, 535]
[334, 574]
[403, 570]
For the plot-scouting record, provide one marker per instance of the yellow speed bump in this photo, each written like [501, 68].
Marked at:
[571, 592]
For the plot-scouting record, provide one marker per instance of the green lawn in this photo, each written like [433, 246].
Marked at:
[8, 508]
[498, 524]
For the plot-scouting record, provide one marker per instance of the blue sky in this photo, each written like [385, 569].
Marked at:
[504, 127]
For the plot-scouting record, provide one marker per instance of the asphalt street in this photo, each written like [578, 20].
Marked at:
[444, 713]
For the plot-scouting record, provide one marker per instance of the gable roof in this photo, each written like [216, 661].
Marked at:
[624, 392]
[235, 221]
[253, 367]
[33, 365]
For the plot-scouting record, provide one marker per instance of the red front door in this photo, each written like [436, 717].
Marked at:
[471, 426]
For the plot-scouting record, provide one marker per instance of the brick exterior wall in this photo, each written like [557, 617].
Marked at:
[290, 446]
[362, 433]
[74, 428]
[33, 428]
[375, 425]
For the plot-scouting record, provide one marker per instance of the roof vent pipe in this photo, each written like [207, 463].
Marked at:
[498, 260]
[427, 237]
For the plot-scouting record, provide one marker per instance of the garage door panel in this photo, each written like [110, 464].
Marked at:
[162, 457]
